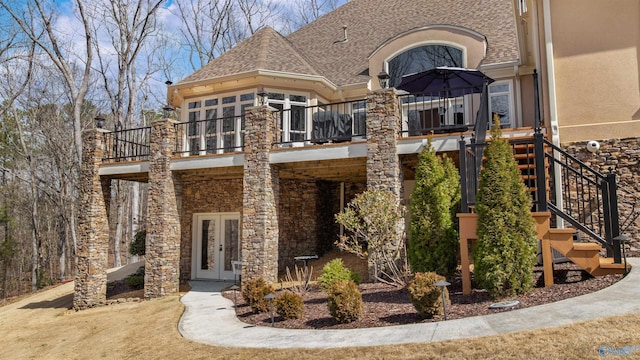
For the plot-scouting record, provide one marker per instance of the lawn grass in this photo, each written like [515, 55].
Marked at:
[40, 327]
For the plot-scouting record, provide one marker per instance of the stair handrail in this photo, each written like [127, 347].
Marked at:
[589, 198]
[634, 214]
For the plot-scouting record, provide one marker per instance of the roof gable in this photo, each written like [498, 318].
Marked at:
[371, 23]
[317, 49]
[265, 50]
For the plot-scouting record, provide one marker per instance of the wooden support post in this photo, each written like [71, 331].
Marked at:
[468, 225]
[542, 229]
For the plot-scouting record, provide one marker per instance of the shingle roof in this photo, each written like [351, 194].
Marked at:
[313, 49]
[265, 50]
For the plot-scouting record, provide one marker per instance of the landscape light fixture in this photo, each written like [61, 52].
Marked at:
[623, 239]
[383, 79]
[263, 97]
[270, 297]
[100, 120]
[235, 289]
[167, 111]
[442, 285]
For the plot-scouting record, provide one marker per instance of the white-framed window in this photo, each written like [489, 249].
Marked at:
[501, 103]
[423, 58]
[215, 124]
[292, 123]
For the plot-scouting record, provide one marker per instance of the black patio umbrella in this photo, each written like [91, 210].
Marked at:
[448, 81]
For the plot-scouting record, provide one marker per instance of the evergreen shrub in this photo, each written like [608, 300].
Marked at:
[345, 301]
[433, 235]
[507, 241]
[135, 281]
[137, 246]
[289, 305]
[335, 271]
[425, 296]
[253, 293]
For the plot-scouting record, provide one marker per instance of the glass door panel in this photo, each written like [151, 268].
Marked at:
[217, 244]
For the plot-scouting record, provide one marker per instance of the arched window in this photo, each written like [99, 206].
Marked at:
[423, 58]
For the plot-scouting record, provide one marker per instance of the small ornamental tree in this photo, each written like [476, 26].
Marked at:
[433, 237]
[505, 254]
[373, 220]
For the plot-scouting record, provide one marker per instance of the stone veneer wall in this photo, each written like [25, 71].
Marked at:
[205, 196]
[90, 288]
[384, 170]
[260, 197]
[622, 156]
[297, 221]
[162, 268]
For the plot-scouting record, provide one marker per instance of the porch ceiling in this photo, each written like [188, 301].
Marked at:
[142, 177]
[347, 170]
[218, 173]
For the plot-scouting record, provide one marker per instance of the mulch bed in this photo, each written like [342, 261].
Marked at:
[386, 305]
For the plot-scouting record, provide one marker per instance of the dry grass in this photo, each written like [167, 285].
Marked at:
[41, 327]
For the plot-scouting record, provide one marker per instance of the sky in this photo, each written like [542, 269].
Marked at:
[174, 57]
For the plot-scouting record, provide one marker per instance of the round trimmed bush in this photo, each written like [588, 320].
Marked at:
[289, 305]
[253, 293]
[425, 296]
[345, 301]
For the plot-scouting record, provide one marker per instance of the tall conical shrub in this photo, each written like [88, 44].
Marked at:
[433, 237]
[505, 255]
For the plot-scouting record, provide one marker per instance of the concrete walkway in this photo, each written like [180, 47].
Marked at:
[209, 318]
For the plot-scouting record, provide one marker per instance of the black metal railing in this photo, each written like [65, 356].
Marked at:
[589, 200]
[127, 144]
[210, 136]
[450, 111]
[318, 124]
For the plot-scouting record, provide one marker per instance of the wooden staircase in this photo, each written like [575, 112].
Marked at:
[584, 254]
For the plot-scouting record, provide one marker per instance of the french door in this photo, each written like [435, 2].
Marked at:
[216, 240]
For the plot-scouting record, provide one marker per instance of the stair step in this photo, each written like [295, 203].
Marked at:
[524, 156]
[586, 246]
[607, 265]
[561, 234]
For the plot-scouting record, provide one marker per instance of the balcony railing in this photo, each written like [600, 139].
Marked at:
[303, 125]
[450, 111]
[210, 136]
[319, 124]
[127, 145]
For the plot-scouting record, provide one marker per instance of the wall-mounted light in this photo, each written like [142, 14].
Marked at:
[263, 97]
[383, 78]
[100, 120]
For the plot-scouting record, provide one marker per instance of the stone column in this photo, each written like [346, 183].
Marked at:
[383, 127]
[260, 198]
[162, 268]
[384, 171]
[93, 228]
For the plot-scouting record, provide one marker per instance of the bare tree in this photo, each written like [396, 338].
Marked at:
[129, 27]
[209, 28]
[36, 20]
[304, 12]
[204, 26]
